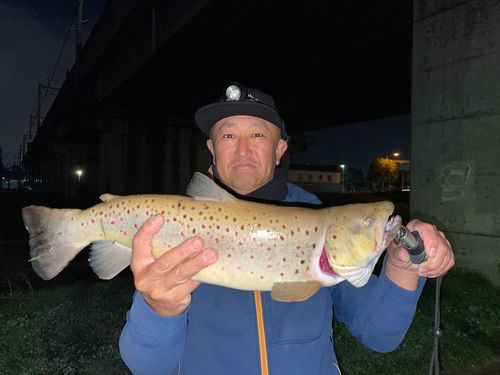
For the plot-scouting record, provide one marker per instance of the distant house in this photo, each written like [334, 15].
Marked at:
[319, 179]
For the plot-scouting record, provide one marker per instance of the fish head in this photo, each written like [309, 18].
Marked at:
[357, 236]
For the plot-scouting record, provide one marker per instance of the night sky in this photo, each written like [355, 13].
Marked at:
[357, 145]
[32, 35]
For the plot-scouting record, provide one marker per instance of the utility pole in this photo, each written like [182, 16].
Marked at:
[40, 102]
[78, 54]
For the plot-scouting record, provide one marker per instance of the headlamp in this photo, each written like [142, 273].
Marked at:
[235, 92]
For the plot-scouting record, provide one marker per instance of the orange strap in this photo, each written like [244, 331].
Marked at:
[262, 334]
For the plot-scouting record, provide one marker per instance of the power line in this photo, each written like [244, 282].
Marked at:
[59, 57]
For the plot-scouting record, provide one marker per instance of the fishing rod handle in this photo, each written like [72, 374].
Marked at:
[413, 243]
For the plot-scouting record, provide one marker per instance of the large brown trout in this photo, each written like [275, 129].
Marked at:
[290, 251]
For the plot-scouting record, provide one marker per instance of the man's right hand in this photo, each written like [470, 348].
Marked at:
[165, 282]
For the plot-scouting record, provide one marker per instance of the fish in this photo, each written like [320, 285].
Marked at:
[290, 251]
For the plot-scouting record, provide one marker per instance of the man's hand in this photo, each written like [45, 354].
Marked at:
[440, 257]
[165, 282]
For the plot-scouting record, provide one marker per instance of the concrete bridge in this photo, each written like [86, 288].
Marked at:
[124, 114]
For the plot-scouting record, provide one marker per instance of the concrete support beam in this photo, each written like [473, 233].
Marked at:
[455, 131]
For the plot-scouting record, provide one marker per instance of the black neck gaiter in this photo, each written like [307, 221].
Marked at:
[274, 190]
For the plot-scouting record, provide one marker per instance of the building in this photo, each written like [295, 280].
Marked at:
[316, 179]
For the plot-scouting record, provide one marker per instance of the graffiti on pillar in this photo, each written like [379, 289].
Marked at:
[453, 178]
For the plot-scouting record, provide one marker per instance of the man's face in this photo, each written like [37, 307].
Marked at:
[246, 150]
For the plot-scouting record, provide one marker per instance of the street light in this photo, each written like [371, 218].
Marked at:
[342, 166]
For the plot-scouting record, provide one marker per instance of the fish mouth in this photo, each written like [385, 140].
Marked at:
[391, 230]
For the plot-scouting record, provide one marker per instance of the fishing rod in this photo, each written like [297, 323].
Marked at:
[414, 244]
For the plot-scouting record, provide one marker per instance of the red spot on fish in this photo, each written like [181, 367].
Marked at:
[183, 234]
[284, 259]
[268, 249]
[136, 226]
[93, 221]
[112, 223]
[82, 224]
[203, 226]
[229, 255]
[262, 277]
[240, 243]
[298, 247]
[125, 233]
[147, 213]
[121, 219]
[239, 267]
[217, 240]
[251, 257]
[269, 266]
[281, 274]
[174, 219]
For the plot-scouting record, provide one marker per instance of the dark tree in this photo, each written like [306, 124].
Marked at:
[383, 169]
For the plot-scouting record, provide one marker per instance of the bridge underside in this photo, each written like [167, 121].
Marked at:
[326, 63]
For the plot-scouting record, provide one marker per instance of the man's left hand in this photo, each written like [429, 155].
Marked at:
[440, 257]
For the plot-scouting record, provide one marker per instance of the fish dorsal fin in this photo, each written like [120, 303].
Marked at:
[294, 291]
[107, 197]
[108, 258]
[202, 188]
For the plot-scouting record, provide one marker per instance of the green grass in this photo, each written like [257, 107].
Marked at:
[74, 329]
[68, 329]
[470, 317]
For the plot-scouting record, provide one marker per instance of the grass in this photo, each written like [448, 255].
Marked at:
[470, 317]
[74, 329]
[67, 329]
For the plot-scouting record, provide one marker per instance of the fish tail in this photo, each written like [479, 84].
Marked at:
[51, 246]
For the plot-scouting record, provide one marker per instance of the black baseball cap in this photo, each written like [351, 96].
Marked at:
[238, 100]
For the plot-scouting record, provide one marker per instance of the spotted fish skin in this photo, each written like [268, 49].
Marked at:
[259, 245]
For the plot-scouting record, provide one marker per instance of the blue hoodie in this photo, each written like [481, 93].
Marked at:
[218, 332]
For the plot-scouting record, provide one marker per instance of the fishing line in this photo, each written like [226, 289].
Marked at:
[436, 331]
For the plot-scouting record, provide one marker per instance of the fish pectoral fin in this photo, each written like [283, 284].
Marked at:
[295, 291]
[109, 258]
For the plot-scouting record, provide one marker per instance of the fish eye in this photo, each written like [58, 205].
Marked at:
[368, 221]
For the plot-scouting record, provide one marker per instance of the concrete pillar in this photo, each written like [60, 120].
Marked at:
[456, 126]
[112, 157]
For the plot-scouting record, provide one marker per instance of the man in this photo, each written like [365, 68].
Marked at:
[179, 326]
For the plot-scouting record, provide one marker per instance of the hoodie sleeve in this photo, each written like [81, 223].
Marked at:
[377, 314]
[152, 343]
